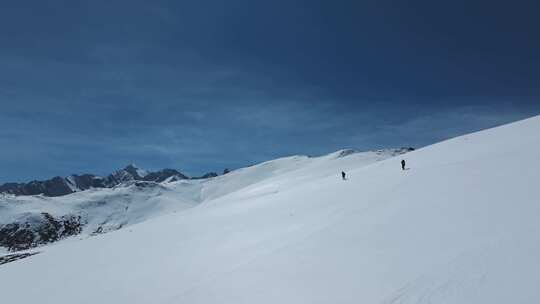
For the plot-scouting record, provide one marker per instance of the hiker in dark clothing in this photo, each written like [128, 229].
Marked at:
[402, 164]
[343, 175]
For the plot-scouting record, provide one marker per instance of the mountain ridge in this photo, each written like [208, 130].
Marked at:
[60, 186]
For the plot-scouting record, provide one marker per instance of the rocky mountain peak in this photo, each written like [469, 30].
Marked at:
[137, 172]
[59, 186]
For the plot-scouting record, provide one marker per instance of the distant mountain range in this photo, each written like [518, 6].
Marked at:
[59, 186]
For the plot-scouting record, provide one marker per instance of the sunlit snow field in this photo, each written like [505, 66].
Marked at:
[460, 225]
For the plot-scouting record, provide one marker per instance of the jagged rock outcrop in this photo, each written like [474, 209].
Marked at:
[37, 229]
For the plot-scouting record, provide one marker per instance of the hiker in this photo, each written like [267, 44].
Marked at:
[402, 164]
[343, 175]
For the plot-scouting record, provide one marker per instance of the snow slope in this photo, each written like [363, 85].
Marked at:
[462, 225]
[101, 210]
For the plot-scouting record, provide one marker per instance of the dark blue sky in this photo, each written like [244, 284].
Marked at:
[90, 86]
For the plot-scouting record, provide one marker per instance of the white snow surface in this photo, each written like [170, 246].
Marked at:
[461, 225]
[133, 202]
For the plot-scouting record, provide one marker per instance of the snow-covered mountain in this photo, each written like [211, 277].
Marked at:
[59, 186]
[460, 225]
[136, 195]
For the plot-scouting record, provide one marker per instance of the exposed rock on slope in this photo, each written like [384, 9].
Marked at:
[36, 229]
[164, 175]
[15, 257]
